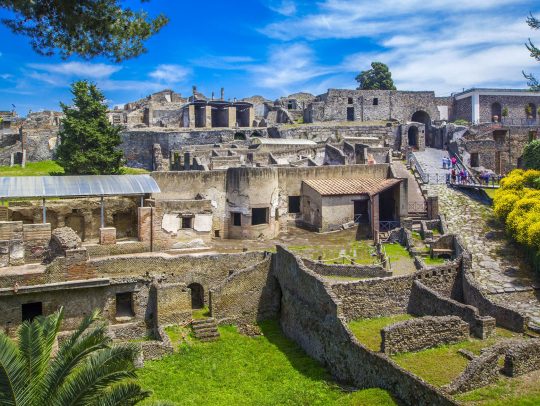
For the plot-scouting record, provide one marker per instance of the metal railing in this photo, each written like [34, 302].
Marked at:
[388, 225]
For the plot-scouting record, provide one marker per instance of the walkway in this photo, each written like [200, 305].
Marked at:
[499, 265]
[414, 194]
[430, 162]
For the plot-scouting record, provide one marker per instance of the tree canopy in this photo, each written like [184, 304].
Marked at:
[378, 77]
[534, 23]
[87, 28]
[88, 369]
[88, 141]
[531, 155]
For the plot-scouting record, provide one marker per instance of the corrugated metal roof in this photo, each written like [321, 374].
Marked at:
[282, 141]
[358, 186]
[76, 186]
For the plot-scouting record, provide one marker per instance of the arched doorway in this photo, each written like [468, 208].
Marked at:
[197, 295]
[496, 111]
[422, 117]
[412, 135]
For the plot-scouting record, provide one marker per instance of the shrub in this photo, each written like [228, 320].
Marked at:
[531, 155]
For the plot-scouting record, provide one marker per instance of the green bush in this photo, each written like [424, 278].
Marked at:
[531, 155]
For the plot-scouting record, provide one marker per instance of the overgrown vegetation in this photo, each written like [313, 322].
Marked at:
[532, 81]
[368, 331]
[376, 78]
[531, 155]
[241, 370]
[361, 252]
[517, 204]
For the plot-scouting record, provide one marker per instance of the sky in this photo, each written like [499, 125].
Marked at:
[277, 47]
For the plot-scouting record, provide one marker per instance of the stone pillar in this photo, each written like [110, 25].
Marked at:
[433, 207]
[191, 115]
[187, 161]
[232, 117]
[251, 115]
[208, 113]
[375, 217]
[144, 223]
[107, 236]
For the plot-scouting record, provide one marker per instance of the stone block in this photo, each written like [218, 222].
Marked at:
[144, 223]
[16, 252]
[107, 235]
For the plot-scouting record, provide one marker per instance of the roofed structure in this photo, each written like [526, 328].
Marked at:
[358, 186]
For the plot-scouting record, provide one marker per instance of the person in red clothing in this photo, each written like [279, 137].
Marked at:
[454, 161]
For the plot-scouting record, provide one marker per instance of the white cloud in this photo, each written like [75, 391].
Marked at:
[283, 7]
[226, 62]
[169, 74]
[77, 69]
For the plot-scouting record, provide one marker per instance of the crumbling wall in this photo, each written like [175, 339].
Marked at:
[522, 358]
[246, 296]
[361, 271]
[423, 333]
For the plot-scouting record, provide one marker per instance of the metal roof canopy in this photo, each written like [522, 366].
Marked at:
[76, 186]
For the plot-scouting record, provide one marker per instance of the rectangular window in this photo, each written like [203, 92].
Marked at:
[124, 304]
[31, 310]
[294, 204]
[349, 100]
[236, 219]
[259, 216]
[376, 101]
[187, 222]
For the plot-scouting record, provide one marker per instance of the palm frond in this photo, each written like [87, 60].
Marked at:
[100, 370]
[12, 373]
[121, 394]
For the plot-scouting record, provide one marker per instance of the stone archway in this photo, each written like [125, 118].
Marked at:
[422, 117]
[197, 295]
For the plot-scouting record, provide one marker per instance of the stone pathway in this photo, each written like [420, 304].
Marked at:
[430, 161]
[414, 194]
[499, 266]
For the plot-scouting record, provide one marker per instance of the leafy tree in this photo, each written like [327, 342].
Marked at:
[86, 370]
[378, 77]
[88, 141]
[87, 28]
[532, 82]
[531, 155]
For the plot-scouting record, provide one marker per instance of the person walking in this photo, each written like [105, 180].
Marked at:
[454, 161]
[453, 175]
[444, 162]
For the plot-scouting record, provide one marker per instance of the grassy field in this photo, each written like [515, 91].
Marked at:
[339, 252]
[520, 391]
[401, 261]
[433, 261]
[240, 370]
[368, 331]
[440, 365]
[45, 168]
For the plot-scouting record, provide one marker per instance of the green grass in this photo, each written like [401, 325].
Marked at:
[201, 313]
[396, 251]
[490, 193]
[368, 331]
[433, 261]
[45, 168]
[359, 251]
[42, 168]
[241, 370]
[440, 365]
[520, 391]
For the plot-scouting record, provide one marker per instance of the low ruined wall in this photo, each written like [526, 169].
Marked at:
[312, 316]
[504, 316]
[522, 358]
[422, 333]
[360, 271]
[387, 296]
[426, 301]
[247, 296]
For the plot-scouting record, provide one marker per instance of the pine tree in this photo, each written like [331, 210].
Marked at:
[532, 82]
[88, 141]
[376, 78]
[87, 28]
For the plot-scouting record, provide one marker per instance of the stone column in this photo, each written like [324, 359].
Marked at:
[232, 117]
[208, 113]
[191, 115]
[432, 207]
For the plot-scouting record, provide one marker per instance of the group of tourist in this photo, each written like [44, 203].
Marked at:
[454, 174]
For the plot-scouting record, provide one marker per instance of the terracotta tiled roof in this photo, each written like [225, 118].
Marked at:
[358, 186]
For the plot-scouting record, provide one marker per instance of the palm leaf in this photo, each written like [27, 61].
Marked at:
[13, 388]
[121, 394]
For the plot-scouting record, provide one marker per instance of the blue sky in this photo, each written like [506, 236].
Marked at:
[277, 47]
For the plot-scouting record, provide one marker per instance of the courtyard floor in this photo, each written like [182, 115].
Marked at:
[241, 370]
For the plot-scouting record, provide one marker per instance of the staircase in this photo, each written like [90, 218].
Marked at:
[205, 329]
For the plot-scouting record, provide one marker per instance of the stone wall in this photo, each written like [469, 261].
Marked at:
[360, 271]
[246, 296]
[311, 315]
[426, 301]
[423, 333]
[522, 358]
